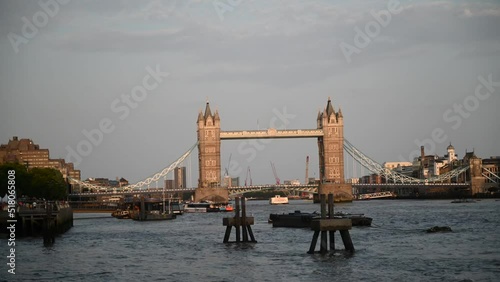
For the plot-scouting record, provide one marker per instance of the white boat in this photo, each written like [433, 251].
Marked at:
[278, 200]
[196, 207]
[195, 210]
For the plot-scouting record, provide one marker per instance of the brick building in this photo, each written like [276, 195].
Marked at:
[24, 151]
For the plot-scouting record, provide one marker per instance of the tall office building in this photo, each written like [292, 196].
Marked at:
[180, 177]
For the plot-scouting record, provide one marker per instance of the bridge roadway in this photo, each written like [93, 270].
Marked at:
[311, 188]
[271, 133]
[232, 190]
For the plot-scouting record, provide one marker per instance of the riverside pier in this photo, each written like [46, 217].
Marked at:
[47, 219]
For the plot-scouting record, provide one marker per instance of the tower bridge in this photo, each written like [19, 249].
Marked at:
[330, 138]
[329, 133]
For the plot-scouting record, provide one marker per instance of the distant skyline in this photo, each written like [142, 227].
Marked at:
[123, 81]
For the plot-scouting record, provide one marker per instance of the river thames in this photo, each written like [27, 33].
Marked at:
[190, 248]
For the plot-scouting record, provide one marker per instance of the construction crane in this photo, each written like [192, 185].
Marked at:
[249, 176]
[275, 174]
[307, 171]
[228, 164]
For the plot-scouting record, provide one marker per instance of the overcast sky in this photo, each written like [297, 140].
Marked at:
[419, 73]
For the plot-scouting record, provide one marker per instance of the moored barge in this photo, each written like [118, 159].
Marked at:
[300, 219]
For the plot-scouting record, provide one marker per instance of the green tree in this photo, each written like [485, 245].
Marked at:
[22, 178]
[47, 183]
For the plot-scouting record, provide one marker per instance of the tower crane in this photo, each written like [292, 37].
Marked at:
[307, 171]
[228, 163]
[275, 174]
[249, 174]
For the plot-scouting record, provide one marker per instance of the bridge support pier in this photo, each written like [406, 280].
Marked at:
[330, 225]
[218, 194]
[342, 192]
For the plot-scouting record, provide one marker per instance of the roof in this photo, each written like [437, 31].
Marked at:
[208, 112]
[329, 108]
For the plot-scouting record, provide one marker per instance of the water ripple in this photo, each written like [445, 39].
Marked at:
[190, 248]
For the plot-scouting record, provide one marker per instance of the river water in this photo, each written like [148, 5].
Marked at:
[190, 248]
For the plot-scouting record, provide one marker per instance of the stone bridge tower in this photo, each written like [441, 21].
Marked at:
[209, 149]
[331, 145]
[331, 154]
[209, 181]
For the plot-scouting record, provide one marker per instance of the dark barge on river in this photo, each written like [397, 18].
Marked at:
[300, 219]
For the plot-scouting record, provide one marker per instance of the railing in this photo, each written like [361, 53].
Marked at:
[41, 206]
[131, 192]
[93, 206]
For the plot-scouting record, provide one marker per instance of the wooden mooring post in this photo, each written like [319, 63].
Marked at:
[238, 221]
[330, 225]
[49, 226]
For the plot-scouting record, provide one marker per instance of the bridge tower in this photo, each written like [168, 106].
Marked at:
[209, 164]
[331, 154]
[331, 145]
[209, 148]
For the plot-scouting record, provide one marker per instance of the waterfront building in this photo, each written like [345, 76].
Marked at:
[394, 165]
[427, 166]
[169, 184]
[491, 170]
[180, 177]
[451, 156]
[351, 180]
[122, 182]
[24, 151]
[312, 180]
[98, 181]
[106, 182]
[371, 179]
[227, 181]
[482, 175]
[235, 181]
[231, 181]
[405, 168]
